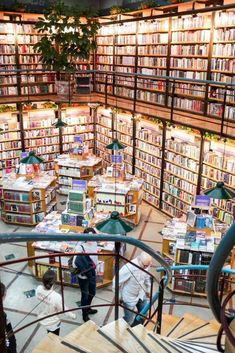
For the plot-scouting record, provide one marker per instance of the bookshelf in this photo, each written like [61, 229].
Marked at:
[40, 135]
[26, 202]
[182, 152]
[148, 159]
[10, 139]
[218, 164]
[109, 124]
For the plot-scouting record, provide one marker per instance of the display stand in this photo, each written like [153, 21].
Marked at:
[191, 242]
[52, 224]
[26, 202]
[69, 169]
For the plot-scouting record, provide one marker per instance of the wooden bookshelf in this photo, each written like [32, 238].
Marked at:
[26, 202]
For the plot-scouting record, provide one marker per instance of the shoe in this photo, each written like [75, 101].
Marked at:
[86, 318]
[92, 311]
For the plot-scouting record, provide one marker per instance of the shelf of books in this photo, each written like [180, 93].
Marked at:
[152, 54]
[111, 124]
[189, 50]
[40, 135]
[26, 202]
[10, 138]
[191, 242]
[104, 58]
[219, 165]
[222, 64]
[79, 123]
[182, 151]
[148, 159]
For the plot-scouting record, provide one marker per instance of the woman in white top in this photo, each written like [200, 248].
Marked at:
[50, 303]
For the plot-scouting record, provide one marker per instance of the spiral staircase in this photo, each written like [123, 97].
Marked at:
[179, 335]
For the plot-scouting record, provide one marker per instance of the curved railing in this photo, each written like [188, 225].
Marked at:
[117, 239]
[217, 262]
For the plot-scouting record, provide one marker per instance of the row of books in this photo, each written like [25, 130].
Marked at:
[173, 190]
[223, 64]
[217, 174]
[189, 63]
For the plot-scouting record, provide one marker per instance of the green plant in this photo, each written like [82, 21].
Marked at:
[147, 4]
[68, 35]
[115, 10]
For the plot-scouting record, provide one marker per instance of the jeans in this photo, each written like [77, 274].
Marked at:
[128, 315]
[88, 290]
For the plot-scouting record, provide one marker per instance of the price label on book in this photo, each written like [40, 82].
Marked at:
[202, 200]
[78, 139]
[80, 185]
[117, 159]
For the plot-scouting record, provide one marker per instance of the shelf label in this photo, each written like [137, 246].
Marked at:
[80, 185]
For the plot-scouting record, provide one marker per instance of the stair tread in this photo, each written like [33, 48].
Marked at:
[168, 322]
[142, 333]
[165, 344]
[188, 323]
[87, 329]
[208, 330]
[52, 343]
[87, 337]
[185, 346]
[117, 332]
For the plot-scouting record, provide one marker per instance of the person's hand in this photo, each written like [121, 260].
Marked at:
[148, 295]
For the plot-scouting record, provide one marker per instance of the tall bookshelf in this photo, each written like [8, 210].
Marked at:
[182, 152]
[219, 165]
[10, 139]
[148, 158]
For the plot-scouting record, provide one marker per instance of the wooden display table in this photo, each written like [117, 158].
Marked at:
[26, 202]
[124, 197]
[52, 224]
[69, 169]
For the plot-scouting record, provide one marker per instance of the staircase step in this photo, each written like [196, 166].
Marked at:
[199, 345]
[120, 334]
[163, 345]
[168, 323]
[142, 333]
[187, 324]
[202, 332]
[184, 346]
[52, 344]
[86, 336]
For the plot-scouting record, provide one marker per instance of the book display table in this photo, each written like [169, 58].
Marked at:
[52, 224]
[124, 196]
[186, 245]
[69, 170]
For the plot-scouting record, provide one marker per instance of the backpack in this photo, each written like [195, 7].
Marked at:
[74, 270]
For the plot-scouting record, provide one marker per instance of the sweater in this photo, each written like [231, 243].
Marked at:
[50, 303]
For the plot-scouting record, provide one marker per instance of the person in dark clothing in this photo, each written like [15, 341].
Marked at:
[87, 276]
[10, 337]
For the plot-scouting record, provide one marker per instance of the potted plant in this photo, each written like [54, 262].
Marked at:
[147, 4]
[68, 36]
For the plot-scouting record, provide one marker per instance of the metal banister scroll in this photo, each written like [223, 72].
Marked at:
[222, 252]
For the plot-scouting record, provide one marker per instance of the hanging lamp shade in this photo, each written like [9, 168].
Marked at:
[220, 192]
[114, 225]
[59, 124]
[31, 159]
[115, 145]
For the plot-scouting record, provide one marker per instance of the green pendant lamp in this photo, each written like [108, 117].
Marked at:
[114, 225]
[31, 159]
[59, 124]
[220, 192]
[115, 145]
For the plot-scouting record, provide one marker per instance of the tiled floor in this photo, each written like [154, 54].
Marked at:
[18, 279]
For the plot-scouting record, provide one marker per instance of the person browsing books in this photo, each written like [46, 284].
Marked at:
[134, 286]
[87, 274]
[50, 302]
